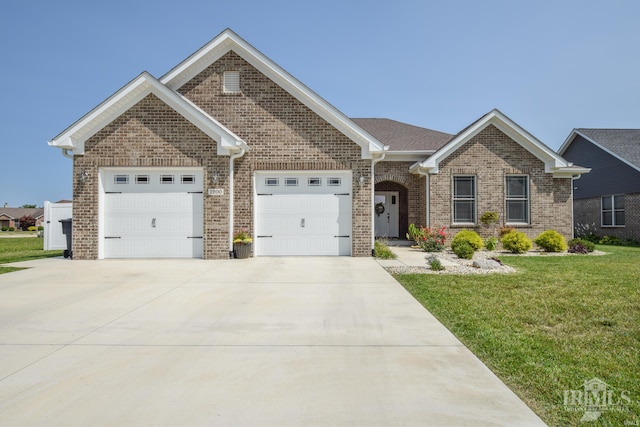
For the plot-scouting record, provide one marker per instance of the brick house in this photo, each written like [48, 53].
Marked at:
[10, 217]
[607, 201]
[172, 167]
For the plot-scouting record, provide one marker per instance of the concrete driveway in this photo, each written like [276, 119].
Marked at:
[257, 342]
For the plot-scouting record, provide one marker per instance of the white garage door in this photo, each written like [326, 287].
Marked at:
[303, 213]
[152, 213]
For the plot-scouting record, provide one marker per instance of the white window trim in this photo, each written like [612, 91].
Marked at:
[507, 198]
[475, 199]
[613, 212]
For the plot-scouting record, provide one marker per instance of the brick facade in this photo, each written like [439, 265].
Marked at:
[395, 176]
[282, 133]
[490, 156]
[586, 213]
[150, 134]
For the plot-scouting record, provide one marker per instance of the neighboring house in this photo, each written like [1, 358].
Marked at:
[10, 217]
[607, 200]
[172, 167]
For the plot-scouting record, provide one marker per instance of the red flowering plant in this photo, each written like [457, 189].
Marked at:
[504, 230]
[430, 239]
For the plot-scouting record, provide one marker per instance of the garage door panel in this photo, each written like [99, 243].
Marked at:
[141, 247]
[303, 220]
[159, 223]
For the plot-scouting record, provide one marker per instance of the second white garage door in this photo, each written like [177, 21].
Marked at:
[303, 213]
[152, 213]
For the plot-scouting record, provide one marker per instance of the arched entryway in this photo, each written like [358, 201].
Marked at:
[391, 209]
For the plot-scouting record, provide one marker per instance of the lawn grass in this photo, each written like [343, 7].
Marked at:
[22, 249]
[554, 324]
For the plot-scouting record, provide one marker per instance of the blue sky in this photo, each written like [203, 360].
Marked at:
[550, 65]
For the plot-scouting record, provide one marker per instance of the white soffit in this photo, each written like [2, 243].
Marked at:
[230, 41]
[74, 137]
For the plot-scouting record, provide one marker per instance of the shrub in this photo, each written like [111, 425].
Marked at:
[5, 228]
[491, 243]
[470, 237]
[11, 228]
[516, 242]
[586, 232]
[590, 246]
[578, 248]
[40, 228]
[610, 240]
[415, 233]
[433, 239]
[505, 230]
[489, 218]
[551, 241]
[27, 221]
[462, 249]
[32, 228]
[382, 251]
[435, 264]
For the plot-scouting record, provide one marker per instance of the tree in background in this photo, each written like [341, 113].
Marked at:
[27, 221]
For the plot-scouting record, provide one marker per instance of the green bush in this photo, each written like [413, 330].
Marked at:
[516, 242]
[463, 249]
[12, 229]
[32, 228]
[588, 245]
[5, 228]
[491, 243]
[382, 251]
[489, 218]
[435, 264]
[610, 240]
[551, 241]
[40, 228]
[469, 236]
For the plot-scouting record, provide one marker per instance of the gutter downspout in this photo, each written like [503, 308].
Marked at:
[66, 154]
[231, 195]
[373, 194]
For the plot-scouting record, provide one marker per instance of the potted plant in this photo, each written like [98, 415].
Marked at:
[242, 243]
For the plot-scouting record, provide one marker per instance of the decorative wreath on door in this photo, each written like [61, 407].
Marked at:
[379, 208]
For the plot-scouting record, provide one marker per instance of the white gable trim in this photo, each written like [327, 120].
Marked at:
[74, 137]
[553, 162]
[230, 41]
[576, 132]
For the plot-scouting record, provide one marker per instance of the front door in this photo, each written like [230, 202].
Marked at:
[386, 213]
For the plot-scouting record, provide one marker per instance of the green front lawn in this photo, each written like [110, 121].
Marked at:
[22, 249]
[556, 323]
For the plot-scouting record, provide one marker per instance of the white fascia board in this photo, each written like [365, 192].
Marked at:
[567, 142]
[574, 172]
[551, 160]
[74, 137]
[227, 41]
[407, 156]
[228, 141]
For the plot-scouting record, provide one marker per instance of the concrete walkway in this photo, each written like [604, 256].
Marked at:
[256, 342]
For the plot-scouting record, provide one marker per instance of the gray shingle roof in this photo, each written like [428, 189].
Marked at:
[625, 143]
[403, 137]
[18, 213]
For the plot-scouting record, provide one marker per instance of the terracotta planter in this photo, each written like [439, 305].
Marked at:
[242, 250]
